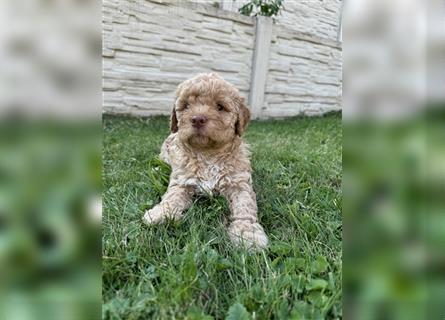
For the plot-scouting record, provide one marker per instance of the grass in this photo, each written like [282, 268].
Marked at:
[189, 269]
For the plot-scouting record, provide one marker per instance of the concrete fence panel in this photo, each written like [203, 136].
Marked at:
[150, 46]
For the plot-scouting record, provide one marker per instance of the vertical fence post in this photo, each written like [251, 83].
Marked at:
[260, 64]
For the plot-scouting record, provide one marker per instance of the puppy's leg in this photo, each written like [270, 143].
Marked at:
[174, 202]
[244, 228]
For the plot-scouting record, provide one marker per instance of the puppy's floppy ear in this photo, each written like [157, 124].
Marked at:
[243, 118]
[173, 121]
[173, 118]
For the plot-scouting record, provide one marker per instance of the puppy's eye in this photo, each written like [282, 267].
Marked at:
[186, 106]
[220, 107]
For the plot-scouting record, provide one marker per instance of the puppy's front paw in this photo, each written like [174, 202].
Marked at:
[155, 215]
[248, 234]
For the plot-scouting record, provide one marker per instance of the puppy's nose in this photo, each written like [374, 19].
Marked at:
[199, 121]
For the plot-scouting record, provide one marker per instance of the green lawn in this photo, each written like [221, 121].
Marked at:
[189, 269]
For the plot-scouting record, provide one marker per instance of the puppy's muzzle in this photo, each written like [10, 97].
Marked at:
[198, 121]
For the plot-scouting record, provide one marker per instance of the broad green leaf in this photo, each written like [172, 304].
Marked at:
[320, 265]
[300, 311]
[293, 264]
[281, 249]
[237, 312]
[317, 298]
[316, 284]
[195, 313]
[224, 264]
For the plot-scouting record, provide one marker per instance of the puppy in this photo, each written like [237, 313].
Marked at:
[207, 155]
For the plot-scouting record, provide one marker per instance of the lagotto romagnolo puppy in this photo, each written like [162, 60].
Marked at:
[207, 155]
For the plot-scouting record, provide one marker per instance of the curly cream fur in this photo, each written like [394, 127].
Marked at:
[212, 158]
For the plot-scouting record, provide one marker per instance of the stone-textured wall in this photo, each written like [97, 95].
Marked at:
[317, 17]
[305, 71]
[304, 75]
[149, 47]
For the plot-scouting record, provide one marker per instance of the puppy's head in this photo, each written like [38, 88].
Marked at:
[209, 112]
